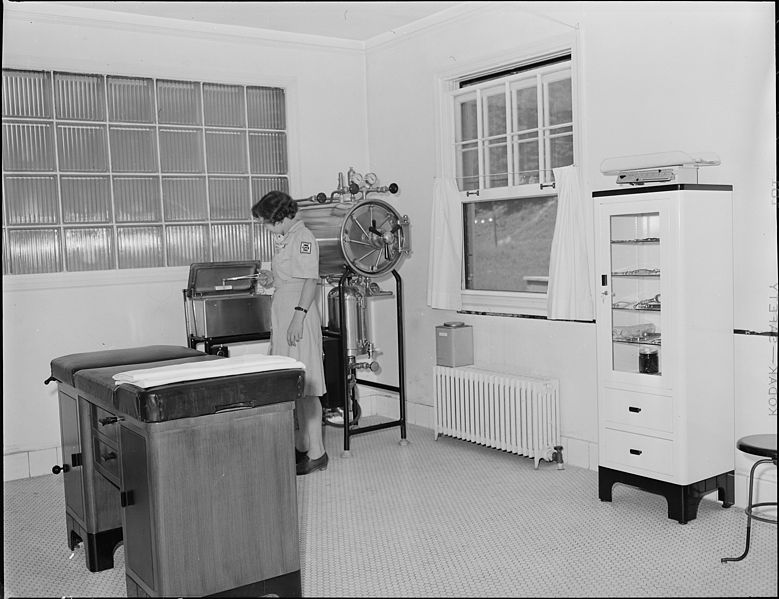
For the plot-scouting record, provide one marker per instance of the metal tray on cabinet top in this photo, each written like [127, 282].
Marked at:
[221, 302]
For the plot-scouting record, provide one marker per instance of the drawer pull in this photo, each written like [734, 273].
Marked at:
[636, 452]
[634, 409]
[109, 420]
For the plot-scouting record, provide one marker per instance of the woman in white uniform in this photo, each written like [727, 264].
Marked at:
[296, 328]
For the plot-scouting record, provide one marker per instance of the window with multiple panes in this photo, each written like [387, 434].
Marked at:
[112, 172]
[510, 130]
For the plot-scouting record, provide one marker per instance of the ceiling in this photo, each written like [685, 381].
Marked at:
[358, 21]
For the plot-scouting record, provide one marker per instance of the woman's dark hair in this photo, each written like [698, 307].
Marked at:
[274, 207]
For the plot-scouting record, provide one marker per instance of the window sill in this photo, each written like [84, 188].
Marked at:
[524, 304]
[97, 278]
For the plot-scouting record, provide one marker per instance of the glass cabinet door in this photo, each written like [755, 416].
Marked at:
[634, 258]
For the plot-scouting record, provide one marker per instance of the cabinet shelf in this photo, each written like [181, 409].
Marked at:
[656, 342]
[632, 308]
[642, 241]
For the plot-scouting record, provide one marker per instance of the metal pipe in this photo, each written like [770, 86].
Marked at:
[401, 355]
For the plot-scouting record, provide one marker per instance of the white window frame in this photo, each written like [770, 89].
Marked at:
[447, 86]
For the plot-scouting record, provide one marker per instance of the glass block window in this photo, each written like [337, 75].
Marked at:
[105, 171]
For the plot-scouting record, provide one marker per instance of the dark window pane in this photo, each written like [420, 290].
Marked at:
[526, 108]
[468, 123]
[507, 243]
[560, 110]
[495, 121]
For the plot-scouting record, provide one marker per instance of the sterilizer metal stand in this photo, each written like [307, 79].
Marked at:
[400, 389]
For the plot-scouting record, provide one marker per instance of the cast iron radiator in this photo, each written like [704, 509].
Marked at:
[518, 414]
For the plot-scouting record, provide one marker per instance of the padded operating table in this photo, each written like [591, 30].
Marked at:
[196, 477]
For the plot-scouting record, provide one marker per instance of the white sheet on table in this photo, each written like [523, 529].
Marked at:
[192, 371]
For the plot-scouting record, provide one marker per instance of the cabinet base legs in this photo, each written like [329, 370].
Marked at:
[99, 547]
[286, 585]
[683, 500]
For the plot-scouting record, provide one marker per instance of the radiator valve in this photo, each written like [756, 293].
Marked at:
[555, 454]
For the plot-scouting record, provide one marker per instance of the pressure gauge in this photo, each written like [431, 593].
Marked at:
[371, 179]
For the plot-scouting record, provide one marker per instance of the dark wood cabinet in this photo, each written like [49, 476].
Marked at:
[92, 511]
[197, 478]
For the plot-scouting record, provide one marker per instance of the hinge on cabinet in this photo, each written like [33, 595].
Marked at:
[75, 459]
[126, 498]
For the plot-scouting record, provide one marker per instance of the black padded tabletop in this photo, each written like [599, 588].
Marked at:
[187, 398]
[64, 368]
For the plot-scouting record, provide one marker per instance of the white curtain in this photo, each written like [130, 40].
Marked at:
[446, 247]
[570, 264]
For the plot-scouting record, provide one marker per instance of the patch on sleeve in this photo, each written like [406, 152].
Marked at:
[305, 247]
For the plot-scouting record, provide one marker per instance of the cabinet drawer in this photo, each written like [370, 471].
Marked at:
[638, 409]
[105, 423]
[639, 452]
[107, 460]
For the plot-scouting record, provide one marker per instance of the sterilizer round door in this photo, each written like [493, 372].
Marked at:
[372, 238]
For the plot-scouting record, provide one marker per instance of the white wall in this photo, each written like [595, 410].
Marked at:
[653, 77]
[46, 316]
[656, 76]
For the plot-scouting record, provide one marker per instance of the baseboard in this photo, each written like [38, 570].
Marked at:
[576, 452]
[26, 464]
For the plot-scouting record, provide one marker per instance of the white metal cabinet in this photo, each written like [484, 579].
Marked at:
[665, 343]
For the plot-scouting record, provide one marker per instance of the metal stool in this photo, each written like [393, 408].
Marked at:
[764, 446]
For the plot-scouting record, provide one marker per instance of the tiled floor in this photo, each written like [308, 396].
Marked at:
[445, 518]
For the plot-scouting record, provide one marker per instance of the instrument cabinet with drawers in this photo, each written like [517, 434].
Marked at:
[665, 343]
[90, 469]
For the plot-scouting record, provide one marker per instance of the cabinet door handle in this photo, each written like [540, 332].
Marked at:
[636, 451]
[108, 456]
[634, 409]
[109, 420]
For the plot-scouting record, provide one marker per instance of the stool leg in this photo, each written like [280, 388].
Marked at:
[748, 513]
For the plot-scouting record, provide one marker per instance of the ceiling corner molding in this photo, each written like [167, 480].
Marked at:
[72, 15]
[425, 24]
